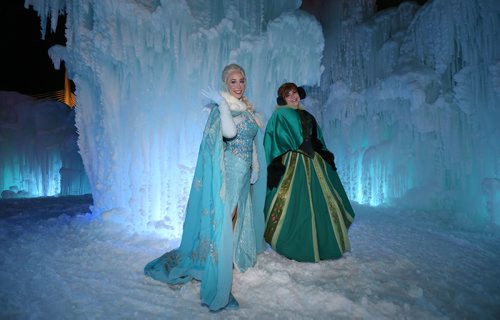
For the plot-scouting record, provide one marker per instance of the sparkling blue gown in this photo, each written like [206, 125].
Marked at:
[210, 247]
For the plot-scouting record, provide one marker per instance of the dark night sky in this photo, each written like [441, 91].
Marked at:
[384, 4]
[25, 64]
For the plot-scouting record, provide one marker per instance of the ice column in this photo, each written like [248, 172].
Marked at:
[38, 155]
[411, 105]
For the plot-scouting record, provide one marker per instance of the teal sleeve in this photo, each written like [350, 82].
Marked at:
[283, 133]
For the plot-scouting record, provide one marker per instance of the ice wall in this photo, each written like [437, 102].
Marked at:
[139, 66]
[38, 149]
[410, 99]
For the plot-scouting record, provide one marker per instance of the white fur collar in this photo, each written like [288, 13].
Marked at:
[240, 105]
[234, 104]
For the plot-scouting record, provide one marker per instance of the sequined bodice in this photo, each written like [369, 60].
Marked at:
[242, 145]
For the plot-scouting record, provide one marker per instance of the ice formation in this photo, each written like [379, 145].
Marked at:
[408, 97]
[410, 103]
[39, 154]
[139, 67]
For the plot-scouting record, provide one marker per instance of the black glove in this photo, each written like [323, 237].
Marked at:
[275, 171]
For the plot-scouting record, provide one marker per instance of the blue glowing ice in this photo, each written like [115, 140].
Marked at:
[408, 98]
[38, 151]
[139, 67]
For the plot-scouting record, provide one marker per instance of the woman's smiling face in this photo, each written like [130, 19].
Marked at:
[292, 98]
[236, 84]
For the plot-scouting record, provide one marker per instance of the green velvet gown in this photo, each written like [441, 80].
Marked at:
[307, 211]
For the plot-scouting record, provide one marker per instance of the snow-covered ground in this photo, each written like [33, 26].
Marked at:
[57, 262]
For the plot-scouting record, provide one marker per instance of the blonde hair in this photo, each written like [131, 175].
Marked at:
[230, 68]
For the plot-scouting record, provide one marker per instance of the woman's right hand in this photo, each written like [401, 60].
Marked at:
[212, 95]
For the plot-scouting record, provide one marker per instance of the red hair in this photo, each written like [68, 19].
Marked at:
[285, 89]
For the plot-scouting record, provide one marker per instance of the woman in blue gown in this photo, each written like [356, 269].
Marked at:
[220, 228]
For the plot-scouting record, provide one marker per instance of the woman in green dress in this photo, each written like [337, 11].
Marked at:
[307, 210]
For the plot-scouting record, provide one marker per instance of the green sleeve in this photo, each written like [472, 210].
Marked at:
[283, 133]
